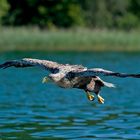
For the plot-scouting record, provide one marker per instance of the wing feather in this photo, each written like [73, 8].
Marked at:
[102, 72]
[28, 62]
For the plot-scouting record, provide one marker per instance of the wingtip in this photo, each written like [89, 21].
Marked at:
[5, 65]
[1, 66]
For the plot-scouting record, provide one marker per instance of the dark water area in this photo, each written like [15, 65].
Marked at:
[32, 110]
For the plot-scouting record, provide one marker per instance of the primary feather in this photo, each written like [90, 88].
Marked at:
[103, 72]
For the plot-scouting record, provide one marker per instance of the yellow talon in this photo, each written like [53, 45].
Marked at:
[90, 97]
[100, 99]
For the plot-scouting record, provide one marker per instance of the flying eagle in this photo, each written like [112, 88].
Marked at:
[71, 76]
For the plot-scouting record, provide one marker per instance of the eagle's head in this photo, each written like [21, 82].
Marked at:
[56, 77]
[53, 77]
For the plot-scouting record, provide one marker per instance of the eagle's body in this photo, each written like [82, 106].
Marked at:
[71, 76]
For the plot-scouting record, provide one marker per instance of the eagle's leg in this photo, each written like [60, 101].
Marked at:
[90, 96]
[45, 79]
[100, 99]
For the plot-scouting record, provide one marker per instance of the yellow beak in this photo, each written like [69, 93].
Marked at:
[45, 80]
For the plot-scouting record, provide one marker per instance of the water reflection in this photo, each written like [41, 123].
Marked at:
[31, 110]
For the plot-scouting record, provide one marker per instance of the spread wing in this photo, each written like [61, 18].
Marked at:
[101, 72]
[28, 62]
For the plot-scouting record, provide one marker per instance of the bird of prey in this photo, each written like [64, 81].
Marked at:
[71, 76]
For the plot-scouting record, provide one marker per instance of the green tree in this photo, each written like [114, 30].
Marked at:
[60, 13]
[4, 6]
[104, 13]
[122, 14]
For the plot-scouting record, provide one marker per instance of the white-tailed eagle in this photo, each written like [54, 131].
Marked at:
[71, 76]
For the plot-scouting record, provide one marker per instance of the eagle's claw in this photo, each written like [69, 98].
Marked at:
[100, 99]
[90, 97]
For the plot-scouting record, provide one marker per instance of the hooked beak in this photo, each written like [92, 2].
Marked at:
[45, 80]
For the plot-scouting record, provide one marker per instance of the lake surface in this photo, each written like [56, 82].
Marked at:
[32, 110]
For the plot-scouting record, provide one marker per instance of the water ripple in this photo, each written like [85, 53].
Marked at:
[30, 110]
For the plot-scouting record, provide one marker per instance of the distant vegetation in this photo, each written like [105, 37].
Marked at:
[74, 25]
[33, 39]
[119, 14]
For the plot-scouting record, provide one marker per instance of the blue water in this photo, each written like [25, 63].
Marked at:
[32, 110]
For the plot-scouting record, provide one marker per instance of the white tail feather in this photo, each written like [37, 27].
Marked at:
[110, 85]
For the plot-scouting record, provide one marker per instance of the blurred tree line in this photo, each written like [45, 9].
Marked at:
[122, 14]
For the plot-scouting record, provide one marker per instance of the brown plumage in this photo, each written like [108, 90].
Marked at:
[71, 76]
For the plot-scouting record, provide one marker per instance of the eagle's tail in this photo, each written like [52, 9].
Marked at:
[110, 85]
